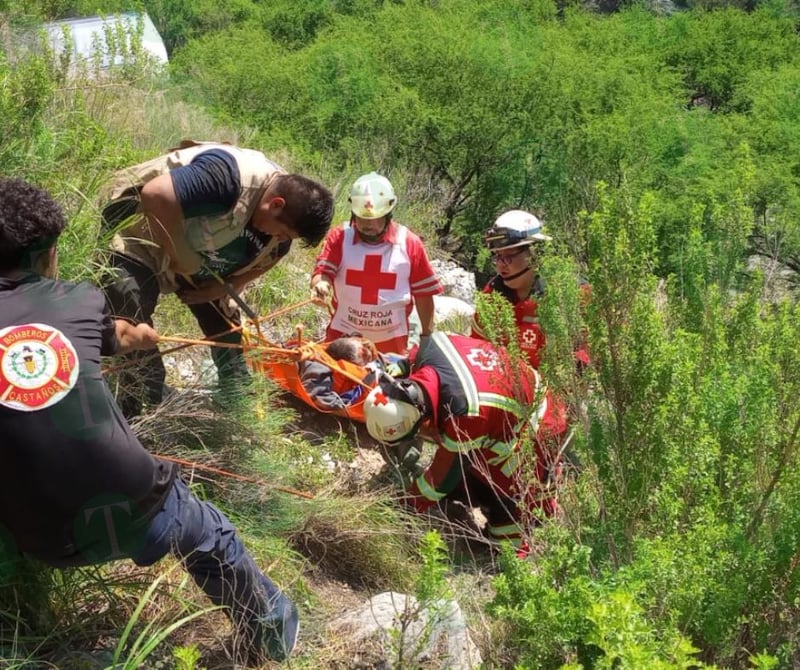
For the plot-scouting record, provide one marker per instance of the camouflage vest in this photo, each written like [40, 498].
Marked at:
[132, 235]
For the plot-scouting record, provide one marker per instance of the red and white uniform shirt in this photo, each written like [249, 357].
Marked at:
[375, 284]
[529, 333]
[483, 408]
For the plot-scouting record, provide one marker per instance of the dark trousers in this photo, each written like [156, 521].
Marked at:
[508, 516]
[500, 509]
[197, 533]
[206, 542]
[132, 292]
[230, 363]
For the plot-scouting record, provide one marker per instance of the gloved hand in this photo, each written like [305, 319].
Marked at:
[403, 390]
[322, 293]
[408, 455]
[398, 368]
[405, 467]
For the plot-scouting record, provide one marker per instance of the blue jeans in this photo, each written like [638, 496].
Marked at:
[205, 540]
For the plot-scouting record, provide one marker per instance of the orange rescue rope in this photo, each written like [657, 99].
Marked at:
[303, 350]
[231, 475]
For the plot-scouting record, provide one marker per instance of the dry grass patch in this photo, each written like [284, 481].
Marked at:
[364, 541]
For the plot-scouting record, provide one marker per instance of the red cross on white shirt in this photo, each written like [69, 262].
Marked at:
[370, 279]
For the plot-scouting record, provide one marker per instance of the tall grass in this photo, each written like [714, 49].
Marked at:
[132, 648]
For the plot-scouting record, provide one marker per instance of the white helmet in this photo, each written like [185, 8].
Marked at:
[390, 420]
[515, 228]
[372, 196]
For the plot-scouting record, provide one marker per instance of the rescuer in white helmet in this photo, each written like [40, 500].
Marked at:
[372, 270]
[493, 424]
[514, 241]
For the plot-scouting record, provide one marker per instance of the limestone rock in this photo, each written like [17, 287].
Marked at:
[394, 627]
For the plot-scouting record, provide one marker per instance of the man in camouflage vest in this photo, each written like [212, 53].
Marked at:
[199, 221]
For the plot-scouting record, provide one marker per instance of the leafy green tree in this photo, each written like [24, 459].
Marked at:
[50, 10]
[179, 21]
[680, 516]
[717, 51]
[773, 131]
[503, 105]
[295, 25]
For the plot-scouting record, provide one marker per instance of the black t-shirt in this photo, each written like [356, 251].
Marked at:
[210, 186]
[74, 479]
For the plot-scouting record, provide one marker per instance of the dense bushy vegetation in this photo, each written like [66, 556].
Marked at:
[487, 107]
[663, 153]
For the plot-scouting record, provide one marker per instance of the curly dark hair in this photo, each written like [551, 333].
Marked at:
[308, 209]
[30, 221]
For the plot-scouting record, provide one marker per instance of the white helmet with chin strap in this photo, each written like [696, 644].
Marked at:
[372, 196]
[394, 411]
[515, 228]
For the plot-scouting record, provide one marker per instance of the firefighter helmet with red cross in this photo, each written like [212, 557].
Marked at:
[372, 196]
[393, 411]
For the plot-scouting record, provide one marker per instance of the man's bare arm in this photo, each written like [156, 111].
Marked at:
[163, 211]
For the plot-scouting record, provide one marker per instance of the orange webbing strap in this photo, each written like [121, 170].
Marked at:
[189, 342]
[284, 310]
[341, 367]
[261, 348]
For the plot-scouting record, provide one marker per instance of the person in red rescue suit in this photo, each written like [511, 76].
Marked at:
[512, 241]
[498, 431]
[373, 270]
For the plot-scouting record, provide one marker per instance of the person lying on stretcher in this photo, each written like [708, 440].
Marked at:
[329, 393]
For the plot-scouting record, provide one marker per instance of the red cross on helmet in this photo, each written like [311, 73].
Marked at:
[515, 228]
[372, 196]
[390, 420]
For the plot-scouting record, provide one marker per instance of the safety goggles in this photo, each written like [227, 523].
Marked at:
[495, 238]
[507, 259]
[499, 238]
